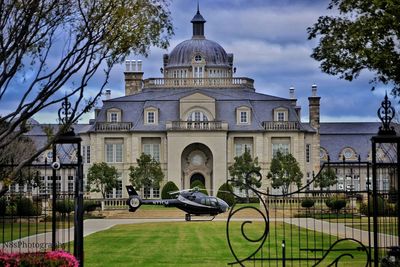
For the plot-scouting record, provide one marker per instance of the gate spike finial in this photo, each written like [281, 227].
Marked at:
[386, 114]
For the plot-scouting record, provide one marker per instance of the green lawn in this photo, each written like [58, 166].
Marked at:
[205, 244]
[18, 230]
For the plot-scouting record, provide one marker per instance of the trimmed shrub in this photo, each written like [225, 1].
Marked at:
[381, 207]
[64, 206]
[336, 204]
[3, 206]
[199, 185]
[25, 207]
[307, 203]
[168, 187]
[224, 193]
[90, 205]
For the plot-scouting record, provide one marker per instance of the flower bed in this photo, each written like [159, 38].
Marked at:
[39, 259]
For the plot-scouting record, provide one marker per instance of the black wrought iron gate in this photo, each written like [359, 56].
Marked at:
[354, 221]
[43, 209]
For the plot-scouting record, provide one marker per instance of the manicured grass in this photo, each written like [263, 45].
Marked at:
[18, 230]
[384, 228]
[205, 244]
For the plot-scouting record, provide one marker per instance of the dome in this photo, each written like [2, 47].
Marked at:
[183, 54]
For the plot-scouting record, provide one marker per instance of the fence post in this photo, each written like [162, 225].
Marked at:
[283, 253]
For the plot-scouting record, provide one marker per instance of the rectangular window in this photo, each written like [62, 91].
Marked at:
[118, 190]
[153, 150]
[156, 192]
[242, 144]
[118, 152]
[70, 187]
[280, 116]
[150, 117]
[114, 117]
[146, 192]
[87, 154]
[308, 153]
[283, 148]
[243, 117]
[114, 152]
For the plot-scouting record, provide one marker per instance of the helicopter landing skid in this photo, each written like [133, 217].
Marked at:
[189, 218]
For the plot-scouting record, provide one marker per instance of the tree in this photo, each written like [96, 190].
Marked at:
[243, 172]
[102, 178]
[364, 36]
[147, 173]
[167, 189]
[284, 171]
[326, 178]
[57, 47]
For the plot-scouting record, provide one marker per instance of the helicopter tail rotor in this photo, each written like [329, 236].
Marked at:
[134, 200]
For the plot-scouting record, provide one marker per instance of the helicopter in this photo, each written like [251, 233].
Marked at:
[191, 201]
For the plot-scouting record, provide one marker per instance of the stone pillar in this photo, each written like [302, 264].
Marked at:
[314, 108]
[133, 77]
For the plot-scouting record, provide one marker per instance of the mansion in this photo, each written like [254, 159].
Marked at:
[198, 117]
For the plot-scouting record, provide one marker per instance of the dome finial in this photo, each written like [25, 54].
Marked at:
[198, 23]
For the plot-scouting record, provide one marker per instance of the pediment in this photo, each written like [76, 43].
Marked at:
[197, 97]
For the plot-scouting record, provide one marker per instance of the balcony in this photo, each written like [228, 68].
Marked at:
[281, 125]
[113, 126]
[242, 82]
[197, 126]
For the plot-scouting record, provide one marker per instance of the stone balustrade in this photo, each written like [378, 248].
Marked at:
[281, 125]
[113, 126]
[228, 82]
[197, 126]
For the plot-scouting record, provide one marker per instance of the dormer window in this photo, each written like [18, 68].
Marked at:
[151, 115]
[243, 115]
[114, 115]
[281, 114]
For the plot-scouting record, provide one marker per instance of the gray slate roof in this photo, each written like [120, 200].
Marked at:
[227, 100]
[336, 136]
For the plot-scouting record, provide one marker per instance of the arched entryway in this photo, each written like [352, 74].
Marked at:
[197, 164]
[197, 177]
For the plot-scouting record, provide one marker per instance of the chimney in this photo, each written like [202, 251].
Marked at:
[291, 93]
[133, 77]
[314, 107]
[107, 94]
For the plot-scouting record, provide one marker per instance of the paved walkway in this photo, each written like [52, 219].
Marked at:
[43, 241]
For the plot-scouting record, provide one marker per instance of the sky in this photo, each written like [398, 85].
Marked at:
[269, 41]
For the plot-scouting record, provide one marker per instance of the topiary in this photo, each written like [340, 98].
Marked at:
[336, 203]
[168, 187]
[64, 206]
[90, 205]
[24, 207]
[224, 193]
[199, 185]
[307, 203]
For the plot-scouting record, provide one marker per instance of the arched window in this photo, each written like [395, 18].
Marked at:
[197, 116]
[349, 154]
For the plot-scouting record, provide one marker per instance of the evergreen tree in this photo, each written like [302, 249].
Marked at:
[284, 171]
[102, 178]
[241, 168]
[147, 173]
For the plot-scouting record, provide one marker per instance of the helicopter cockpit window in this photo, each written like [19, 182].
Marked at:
[209, 201]
[213, 202]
